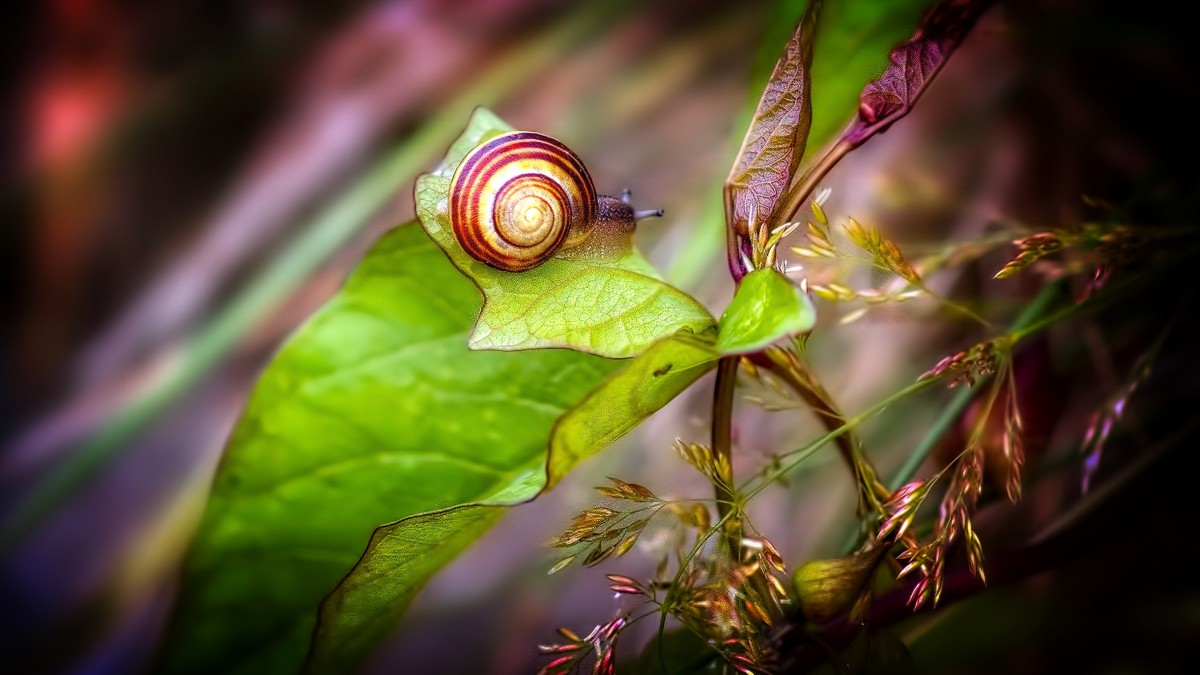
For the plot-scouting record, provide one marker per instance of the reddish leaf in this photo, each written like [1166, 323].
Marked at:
[774, 141]
[913, 65]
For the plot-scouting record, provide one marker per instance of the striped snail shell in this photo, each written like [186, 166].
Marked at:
[518, 198]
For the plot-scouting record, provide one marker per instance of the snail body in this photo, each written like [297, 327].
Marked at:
[519, 198]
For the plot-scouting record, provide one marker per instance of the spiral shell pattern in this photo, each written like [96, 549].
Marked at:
[516, 199]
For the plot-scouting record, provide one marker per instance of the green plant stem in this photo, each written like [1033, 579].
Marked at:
[1032, 320]
[722, 446]
[719, 526]
[1026, 325]
[954, 306]
[793, 459]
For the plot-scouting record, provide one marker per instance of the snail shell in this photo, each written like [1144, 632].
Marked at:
[519, 198]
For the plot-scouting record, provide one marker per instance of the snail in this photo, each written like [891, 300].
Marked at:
[521, 197]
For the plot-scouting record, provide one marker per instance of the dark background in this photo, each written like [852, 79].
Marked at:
[159, 156]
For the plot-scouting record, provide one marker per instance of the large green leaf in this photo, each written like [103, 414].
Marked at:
[402, 555]
[373, 411]
[766, 307]
[606, 300]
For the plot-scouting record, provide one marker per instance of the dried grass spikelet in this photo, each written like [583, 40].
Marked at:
[630, 491]
[701, 457]
[602, 531]
[954, 518]
[734, 603]
[885, 254]
[1095, 246]
[601, 643]
[1102, 421]
[882, 254]
[820, 243]
[970, 365]
[901, 509]
[1029, 250]
[1019, 423]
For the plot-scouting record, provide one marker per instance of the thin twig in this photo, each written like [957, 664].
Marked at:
[722, 445]
[788, 368]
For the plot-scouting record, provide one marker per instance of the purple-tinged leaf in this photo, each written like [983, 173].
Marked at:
[913, 65]
[774, 141]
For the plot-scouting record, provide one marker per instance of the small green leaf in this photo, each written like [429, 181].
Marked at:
[606, 300]
[767, 307]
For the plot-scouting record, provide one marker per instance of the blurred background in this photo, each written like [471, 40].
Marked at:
[187, 181]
